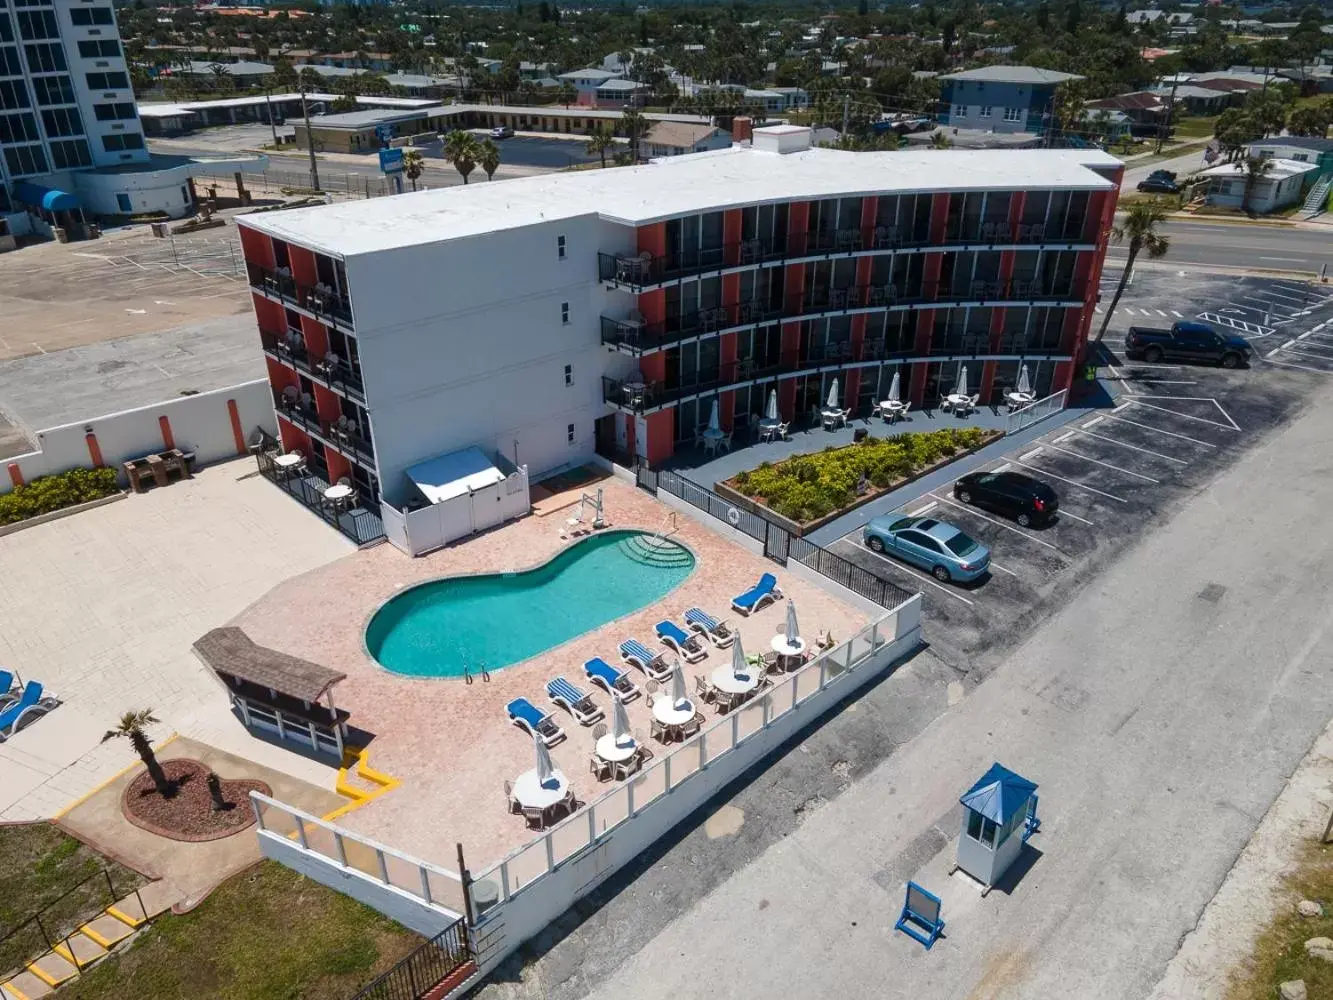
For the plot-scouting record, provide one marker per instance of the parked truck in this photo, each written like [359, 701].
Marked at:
[1187, 341]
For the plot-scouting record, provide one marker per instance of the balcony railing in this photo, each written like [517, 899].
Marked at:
[300, 412]
[358, 521]
[321, 300]
[342, 435]
[332, 370]
[638, 395]
[638, 270]
[640, 337]
[347, 439]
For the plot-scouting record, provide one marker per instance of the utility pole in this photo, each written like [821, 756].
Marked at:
[309, 139]
[1170, 112]
[846, 111]
[271, 123]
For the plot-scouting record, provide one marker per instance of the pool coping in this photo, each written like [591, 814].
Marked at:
[609, 529]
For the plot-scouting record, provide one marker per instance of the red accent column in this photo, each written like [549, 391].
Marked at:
[238, 432]
[168, 439]
[731, 236]
[338, 465]
[94, 450]
[15, 474]
[1016, 206]
[869, 213]
[303, 265]
[327, 404]
[652, 239]
[727, 351]
[660, 443]
[316, 338]
[293, 438]
[256, 247]
[1101, 214]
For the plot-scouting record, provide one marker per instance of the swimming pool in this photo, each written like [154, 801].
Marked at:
[437, 628]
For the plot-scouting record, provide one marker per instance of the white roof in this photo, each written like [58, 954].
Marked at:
[452, 475]
[1281, 170]
[703, 182]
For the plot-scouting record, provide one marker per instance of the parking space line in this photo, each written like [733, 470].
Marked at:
[918, 512]
[1176, 314]
[1008, 527]
[995, 565]
[1148, 427]
[1082, 520]
[1131, 447]
[1095, 421]
[1032, 454]
[924, 578]
[1137, 475]
[1072, 482]
[1232, 426]
[1307, 353]
[1304, 368]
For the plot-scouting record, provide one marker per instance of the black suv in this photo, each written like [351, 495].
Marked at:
[1026, 500]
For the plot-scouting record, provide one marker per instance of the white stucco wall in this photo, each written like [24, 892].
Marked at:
[148, 191]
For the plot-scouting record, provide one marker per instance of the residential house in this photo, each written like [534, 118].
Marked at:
[619, 94]
[1283, 185]
[1297, 148]
[1001, 98]
[586, 82]
[680, 138]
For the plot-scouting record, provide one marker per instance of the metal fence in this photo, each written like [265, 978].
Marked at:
[352, 185]
[710, 503]
[1036, 412]
[359, 524]
[430, 964]
[857, 579]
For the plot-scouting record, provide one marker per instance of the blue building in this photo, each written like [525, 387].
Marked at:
[1001, 98]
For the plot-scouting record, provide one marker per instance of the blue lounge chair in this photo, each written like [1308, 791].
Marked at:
[655, 665]
[675, 637]
[764, 592]
[30, 705]
[7, 694]
[573, 701]
[614, 682]
[527, 717]
[718, 633]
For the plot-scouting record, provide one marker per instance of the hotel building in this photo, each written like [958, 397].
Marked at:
[549, 317]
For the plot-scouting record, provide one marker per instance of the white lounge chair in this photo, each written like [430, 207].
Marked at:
[655, 665]
[533, 721]
[614, 682]
[717, 632]
[688, 646]
[573, 701]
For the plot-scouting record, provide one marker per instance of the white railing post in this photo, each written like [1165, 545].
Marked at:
[300, 832]
[874, 636]
[592, 824]
[629, 800]
[795, 682]
[766, 709]
[259, 814]
[550, 852]
[735, 730]
[504, 880]
[666, 771]
[823, 671]
[341, 847]
[703, 751]
[384, 866]
[425, 885]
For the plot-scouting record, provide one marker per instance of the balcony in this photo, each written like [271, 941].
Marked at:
[321, 301]
[300, 412]
[633, 336]
[341, 435]
[358, 520]
[332, 371]
[638, 271]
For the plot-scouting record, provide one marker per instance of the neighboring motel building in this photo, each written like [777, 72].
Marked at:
[1001, 98]
[549, 317]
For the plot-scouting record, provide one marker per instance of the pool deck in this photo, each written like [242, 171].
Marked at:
[450, 743]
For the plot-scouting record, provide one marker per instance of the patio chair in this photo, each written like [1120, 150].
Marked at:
[874, 411]
[825, 641]
[687, 646]
[658, 731]
[902, 414]
[846, 416]
[510, 802]
[31, 705]
[652, 687]
[706, 692]
[782, 431]
[644, 751]
[626, 768]
[598, 768]
[534, 722]
[655, 665]
[614, 682]
[535, 817]
[973, 404]
[764, 592]
[717, 632]
[573, 701]
[693, 726]
[725, 443]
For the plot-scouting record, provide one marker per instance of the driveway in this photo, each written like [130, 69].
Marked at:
[103, 608]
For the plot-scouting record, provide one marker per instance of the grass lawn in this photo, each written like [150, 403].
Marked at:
[265, 934]
[1279, 954]
[38, 866]
[1196, 128]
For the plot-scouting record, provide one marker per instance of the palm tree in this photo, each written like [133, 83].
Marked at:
[414, 165]
[131, 727]
[488, 158]
[634, 124]
[1139, 230]
[567, 95]
[940, 141]
[600, 144]
[463, 151]
[1255, 167]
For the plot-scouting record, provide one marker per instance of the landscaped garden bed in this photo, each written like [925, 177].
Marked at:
[56, 492]
[810, 490]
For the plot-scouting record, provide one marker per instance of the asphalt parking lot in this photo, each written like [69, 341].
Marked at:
[1119, 471]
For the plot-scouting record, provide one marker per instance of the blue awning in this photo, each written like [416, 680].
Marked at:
[999, 794]
[50, 199]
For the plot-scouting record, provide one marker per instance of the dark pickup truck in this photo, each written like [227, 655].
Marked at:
[1187, 342]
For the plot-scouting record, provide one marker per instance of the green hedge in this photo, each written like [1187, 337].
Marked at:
[48, 493]
[808, 487]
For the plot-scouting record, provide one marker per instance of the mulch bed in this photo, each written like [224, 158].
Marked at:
[188, 815]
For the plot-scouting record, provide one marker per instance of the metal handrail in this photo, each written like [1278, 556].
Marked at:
[423, 968]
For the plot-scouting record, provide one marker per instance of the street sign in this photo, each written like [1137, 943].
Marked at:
[384, 132]
[391, 161]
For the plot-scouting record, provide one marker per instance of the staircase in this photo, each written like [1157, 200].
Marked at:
[657, 551]
[1316, 202]
[86, 946]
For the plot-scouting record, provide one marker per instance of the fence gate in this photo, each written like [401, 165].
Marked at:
[777, 543]
[646, 478]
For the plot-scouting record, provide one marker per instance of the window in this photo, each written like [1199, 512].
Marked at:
[569, 433]
[958, 111]
[45, 57]
[6, 29]
[108, 81]
[53, 90]
[115, 143]
[560, 247]
[18, 128]
[9, 61]
[123, 203]
[85, 17]
[569, 374]
[13, 95]
[114, 112]
[37, 24]
[564, 313]
[67, 154]
[62, 121]
[981, 829]
[984, 112]
[94, 49]
[1013, 114]
[23, 160]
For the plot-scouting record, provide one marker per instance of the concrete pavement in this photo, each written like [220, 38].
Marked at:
[1161, 717]
[1184, 164]
[1246, 246]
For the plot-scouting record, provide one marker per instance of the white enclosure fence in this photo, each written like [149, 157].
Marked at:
[1036, 412]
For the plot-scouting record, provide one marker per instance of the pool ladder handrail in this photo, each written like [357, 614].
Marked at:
[660, 536]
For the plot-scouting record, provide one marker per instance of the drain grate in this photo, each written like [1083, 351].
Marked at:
[1212, 593]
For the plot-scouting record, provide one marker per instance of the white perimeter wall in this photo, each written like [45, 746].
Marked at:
[199, 423]
[462, 344]
[148, 191]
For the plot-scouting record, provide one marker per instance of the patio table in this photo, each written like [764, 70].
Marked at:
[725, 680]
[1017, 399]
[615, 753]
[531, 793]
[338, 491]
[958, 401]
[830, 416]
[669, 715]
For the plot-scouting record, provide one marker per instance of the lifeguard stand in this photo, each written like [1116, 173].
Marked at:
[999, 815]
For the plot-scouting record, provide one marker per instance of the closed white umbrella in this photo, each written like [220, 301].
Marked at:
[793, 631]
[545, 769]
[714, 420]
[739, 666]
[678, 698]
[893, 388]
[1024, 384]
[620, 724]
[833, 395]
[961, 388]
[771, 410]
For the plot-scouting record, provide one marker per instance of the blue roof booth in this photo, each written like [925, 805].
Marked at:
[999, 814]
[59, 208]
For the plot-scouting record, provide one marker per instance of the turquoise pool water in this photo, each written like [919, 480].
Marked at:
[434, 629]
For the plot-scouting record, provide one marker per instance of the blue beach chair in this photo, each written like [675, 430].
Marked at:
[31, 704]
[530, 719]
[717, 632]
[614, 682]
[573, 701]
[764, 592]
[655, 665]
[687, 645]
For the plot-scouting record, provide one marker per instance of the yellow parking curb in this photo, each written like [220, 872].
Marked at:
[355, 759]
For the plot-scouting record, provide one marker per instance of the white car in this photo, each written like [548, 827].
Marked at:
[501, 132]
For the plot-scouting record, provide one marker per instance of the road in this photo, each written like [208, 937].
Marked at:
[1184, 164]
[1241, 245]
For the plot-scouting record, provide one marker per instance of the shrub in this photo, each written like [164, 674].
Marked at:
[808, 487]
[48, 493]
